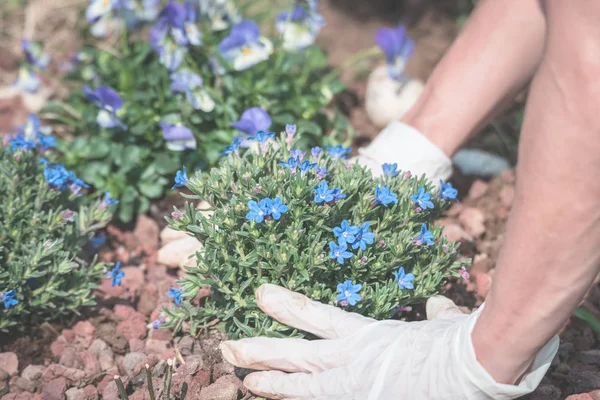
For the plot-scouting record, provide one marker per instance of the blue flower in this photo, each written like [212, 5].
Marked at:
[175, 293]
[107, 201]
[321, 172]
[398, 48]
[290, 130]
[339, 252]
[316, 152]
[338, 151]
[233, 147]
[180, 178]
[346, 233]
[306, 166]
[253, 120]
[275, 208]
[390, 169]
[384, 196]
[116, 275]
[404, 280]
[191, 84]
[447, 192]
[258, 211]
[34, 55]
[19, 142]
[297, 153]
[245, 47]
[178, 137]
[424, 237]
[364, 237]
[422, 199]
[262, 137]
[291, 163]
[9, 300]
[97, 241]
[348, 293]
[58, 177]
[337, 194]
[299, 27]
[109, 103]
[323, 193]
[157, 323]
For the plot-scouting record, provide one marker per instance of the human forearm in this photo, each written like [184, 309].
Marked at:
[492, 59]
[552, 249]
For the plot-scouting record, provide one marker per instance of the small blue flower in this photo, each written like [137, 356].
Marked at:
[108, 201]
[346, 233]
[57, 176]
[276, 208]
[364, 237]
[297, 153]
[233, 147]
[447, 192]
[398, 48]
[321, 172]
[337, 194]
[339, 252]
[424, 237]
[422, 199]
[306, 166]
[323, 193]
[9, 300]
[181, 178]
[116, 275]
[19, 142]
[384, 196]
[175, 293]
[404, 280]
[253, 120]
[348, 293]
[316, 152]
[338, 151]
[262, 136]
[258, 211]
[157, 323]
[97, 241]
[390, 169]
[291, 163]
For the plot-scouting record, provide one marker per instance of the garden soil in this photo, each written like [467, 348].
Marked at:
[77, 358]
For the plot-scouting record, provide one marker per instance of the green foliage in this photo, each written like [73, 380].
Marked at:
[135, 165]
[40, 247]
[239, 255]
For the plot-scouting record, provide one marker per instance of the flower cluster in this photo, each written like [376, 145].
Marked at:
[343, 238]
[109, 16]
[35, 60]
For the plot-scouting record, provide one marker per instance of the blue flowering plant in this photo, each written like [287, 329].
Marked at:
[311, 221]
[204, 74]
[47, 228]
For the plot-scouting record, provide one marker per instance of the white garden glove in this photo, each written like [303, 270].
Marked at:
[364, 359]
[410, 149]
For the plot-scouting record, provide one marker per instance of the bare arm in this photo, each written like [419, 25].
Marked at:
[493, 58]
[552, 249]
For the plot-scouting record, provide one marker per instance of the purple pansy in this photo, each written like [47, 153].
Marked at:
[109, 103]
[178, 137]
[397, 47]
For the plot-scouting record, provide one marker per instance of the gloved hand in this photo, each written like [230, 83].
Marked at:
[410, 149]
[364, 359]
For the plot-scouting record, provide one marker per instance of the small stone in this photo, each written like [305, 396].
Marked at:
[125, 312]
[33, 372]
[545, 392]
[177, 253]
[74, 394]
[73, 375]
[184, 374]
[220, 390]
[22, 383]
[584, 381]
[169, 235]
[507, 195]
[54, 389]
[454, 232]
[583, 396]
[84, 329]
[137, 345]
[185, 345]
[4, 376]
[154, 346]
[111, 392]
[148, 299]
[9, 362]
[221, 369]
[90, 362]
[132, 328]
[131, 360]
[146, 231]
[478, 189]
[472, 219]
[591, 357]
[70, 359]
[69, 335]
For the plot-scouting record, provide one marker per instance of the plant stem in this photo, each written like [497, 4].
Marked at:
[149, 382]
[353, 59]
[121, 388]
